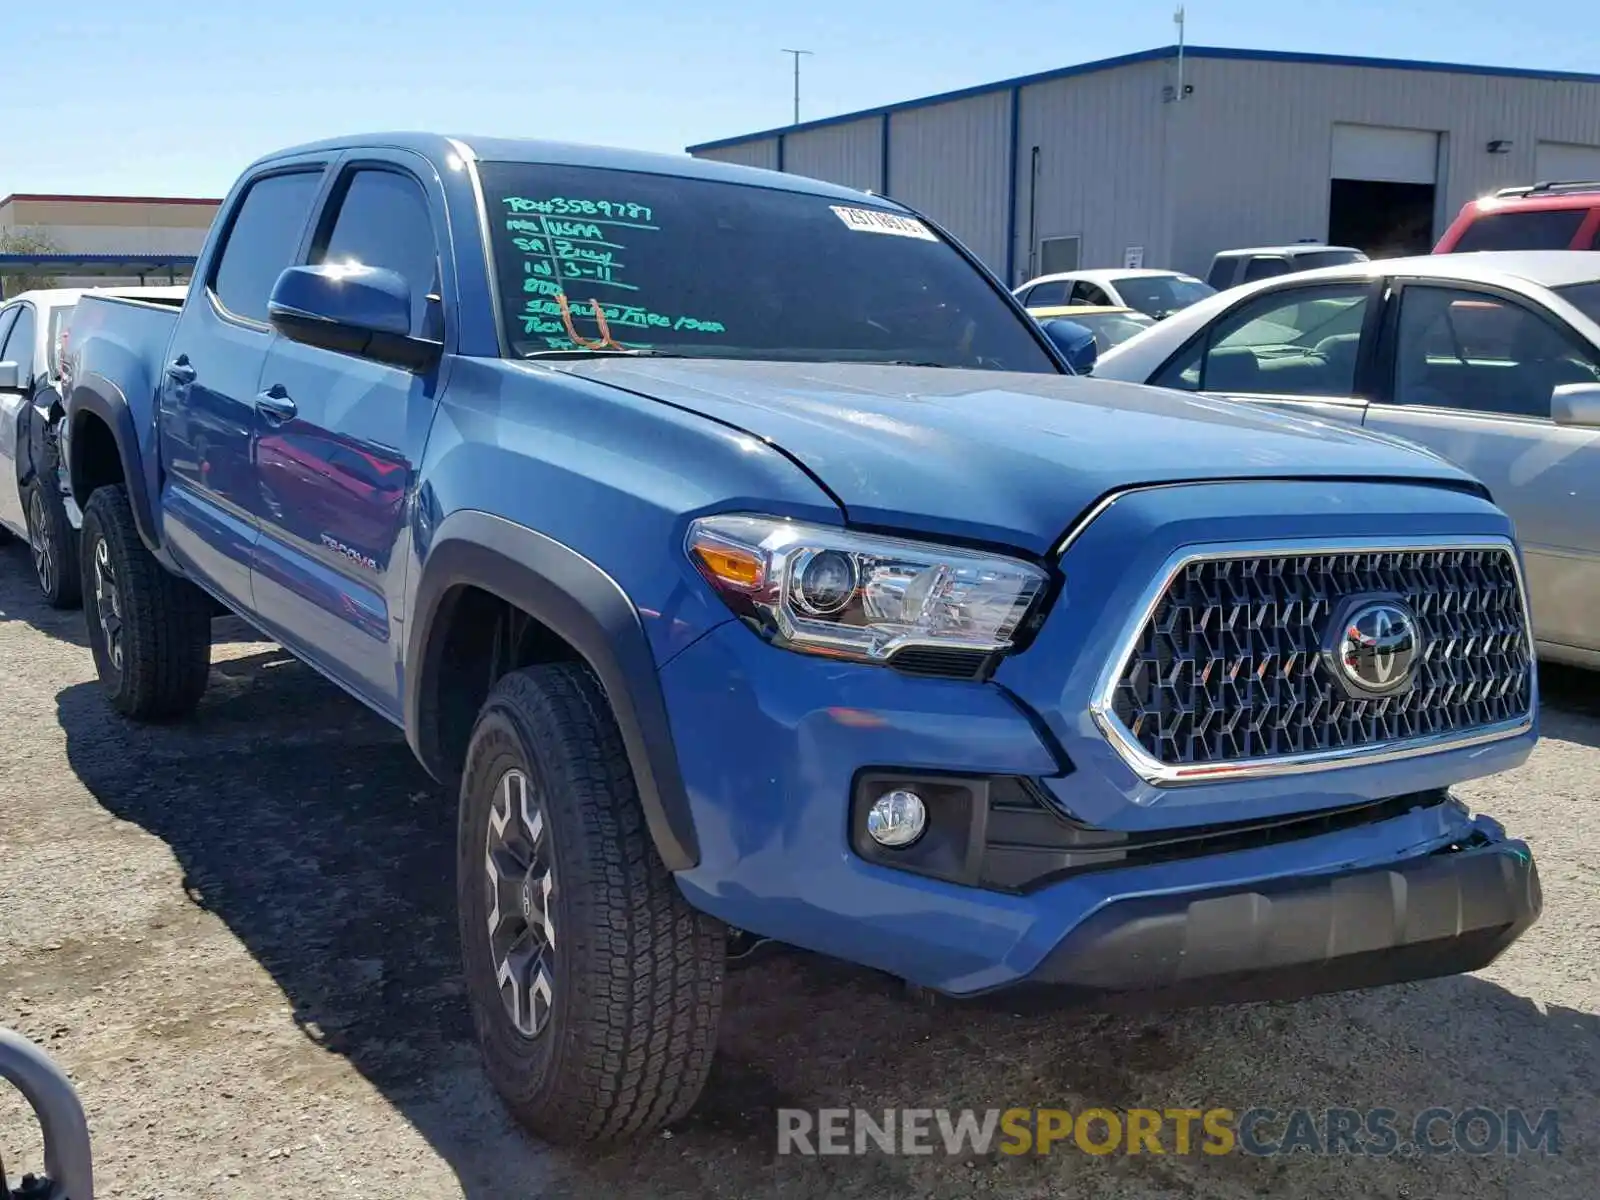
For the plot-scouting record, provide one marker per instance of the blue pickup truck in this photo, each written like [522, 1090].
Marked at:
[755, 571]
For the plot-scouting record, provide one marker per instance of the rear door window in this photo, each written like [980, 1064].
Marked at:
[1548, 230]
[1480, 352]
[1222, 272]
[262, 241]
[1265, 268]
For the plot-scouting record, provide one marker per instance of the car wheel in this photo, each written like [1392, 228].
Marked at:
[149, 630]
[595, 988]
[54, 545]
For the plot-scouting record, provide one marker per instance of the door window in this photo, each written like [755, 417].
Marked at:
[382, 221]
[19, 346]
[262, 241]
[1265, 268]
[1222, 271]
[8, 318]
[1291, 342]
[1084, 292]
[1462, 349]
[1046, 294]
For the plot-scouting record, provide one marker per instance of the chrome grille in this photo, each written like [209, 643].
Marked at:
[1227, 669]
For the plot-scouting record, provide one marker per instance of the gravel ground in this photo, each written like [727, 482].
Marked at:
[237, 934]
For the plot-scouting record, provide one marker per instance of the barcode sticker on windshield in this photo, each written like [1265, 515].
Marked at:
[871, 220]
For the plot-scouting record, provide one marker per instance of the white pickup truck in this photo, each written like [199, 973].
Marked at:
[33, 503]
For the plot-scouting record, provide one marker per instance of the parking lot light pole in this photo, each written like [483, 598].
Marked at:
[797, 54]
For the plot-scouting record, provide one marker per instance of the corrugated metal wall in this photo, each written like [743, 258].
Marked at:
[1099, 166]
[950, 161]
[850, 154]
[1252, 145]
[762, 153]
[1245, 159]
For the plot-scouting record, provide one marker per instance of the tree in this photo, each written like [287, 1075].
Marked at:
[26, 241]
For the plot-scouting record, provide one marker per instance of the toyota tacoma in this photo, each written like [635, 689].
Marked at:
[754, 570]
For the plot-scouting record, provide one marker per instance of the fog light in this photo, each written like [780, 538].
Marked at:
[897, 818]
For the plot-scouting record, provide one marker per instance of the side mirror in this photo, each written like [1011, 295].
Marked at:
[1075, 342]
[1576, 404]
[11, 377]
[365, 311]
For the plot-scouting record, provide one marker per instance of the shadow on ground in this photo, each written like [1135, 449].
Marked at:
[20, 599]
[1567, 696]
[320, 858]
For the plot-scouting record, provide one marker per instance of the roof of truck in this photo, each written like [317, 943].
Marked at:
[439, 148]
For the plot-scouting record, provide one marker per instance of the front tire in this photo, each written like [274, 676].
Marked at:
[595, 988]
[149, 630]
[54, 544]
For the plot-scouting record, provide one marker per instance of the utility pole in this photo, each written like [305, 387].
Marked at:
[797, 54]
[1177, 19]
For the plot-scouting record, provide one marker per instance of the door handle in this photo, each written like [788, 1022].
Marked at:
[274, 404]
[180, 370]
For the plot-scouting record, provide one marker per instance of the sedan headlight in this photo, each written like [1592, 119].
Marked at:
[829, 591]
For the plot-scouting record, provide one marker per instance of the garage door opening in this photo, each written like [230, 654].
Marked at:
[1381, 197]
[1384, 219]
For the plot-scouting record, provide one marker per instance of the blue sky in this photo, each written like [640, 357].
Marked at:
[172, 97]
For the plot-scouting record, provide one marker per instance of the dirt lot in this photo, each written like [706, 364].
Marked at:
[238, 935]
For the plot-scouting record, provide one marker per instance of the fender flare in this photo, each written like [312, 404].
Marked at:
[585, 607]
[107, 402]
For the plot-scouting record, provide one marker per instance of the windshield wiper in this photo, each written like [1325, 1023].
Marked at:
[602, 352]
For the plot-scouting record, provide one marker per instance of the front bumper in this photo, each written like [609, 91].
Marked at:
[771, 744]
[1438, 914]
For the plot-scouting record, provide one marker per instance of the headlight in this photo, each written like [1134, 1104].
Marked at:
[829, 591]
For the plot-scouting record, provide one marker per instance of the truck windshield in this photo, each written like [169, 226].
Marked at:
[604, 260]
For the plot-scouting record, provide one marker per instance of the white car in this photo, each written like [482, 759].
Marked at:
[33, 502]
[1490, 360]
[1154, 293]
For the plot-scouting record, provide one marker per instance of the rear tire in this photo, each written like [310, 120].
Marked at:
[54, 544]
[149, 630]
[595, 988]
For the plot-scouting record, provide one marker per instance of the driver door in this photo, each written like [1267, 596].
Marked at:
[1302, 349]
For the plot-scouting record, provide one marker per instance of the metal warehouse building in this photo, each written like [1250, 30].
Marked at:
[1161, 160]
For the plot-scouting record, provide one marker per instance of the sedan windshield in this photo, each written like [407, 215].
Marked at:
[1161, 295]
[1111, 329]
[1585, 297]
[592, 260]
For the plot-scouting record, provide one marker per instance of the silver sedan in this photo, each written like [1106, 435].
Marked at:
[1490, 360]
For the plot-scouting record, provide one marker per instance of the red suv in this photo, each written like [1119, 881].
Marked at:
[1544, 216]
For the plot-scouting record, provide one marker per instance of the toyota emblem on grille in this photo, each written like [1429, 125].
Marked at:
[1376, 647]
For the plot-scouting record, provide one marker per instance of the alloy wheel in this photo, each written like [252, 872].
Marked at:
[108, 602]
[44, 563]
[521, 884]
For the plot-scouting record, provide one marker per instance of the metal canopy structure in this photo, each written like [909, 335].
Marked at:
[119, 266]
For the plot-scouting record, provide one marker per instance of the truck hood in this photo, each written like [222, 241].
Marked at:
[1000, 457]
